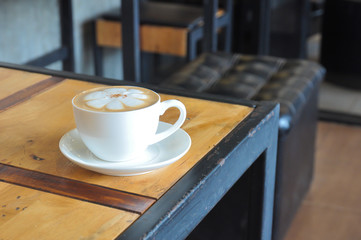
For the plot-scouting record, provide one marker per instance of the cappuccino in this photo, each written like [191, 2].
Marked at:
[119, 123]
[116, 99]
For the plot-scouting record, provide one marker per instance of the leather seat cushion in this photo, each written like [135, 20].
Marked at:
[286, 81]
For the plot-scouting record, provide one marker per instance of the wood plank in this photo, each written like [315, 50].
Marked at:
[108, 33]
[155, 39]
[75, 189]
[29, 214]
[164, 40]
[28, 92]
[48, 116]
[12, 81]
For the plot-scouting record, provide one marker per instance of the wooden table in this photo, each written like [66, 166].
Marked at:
[45, 196]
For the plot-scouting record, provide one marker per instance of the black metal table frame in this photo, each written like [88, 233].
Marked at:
[252, 143]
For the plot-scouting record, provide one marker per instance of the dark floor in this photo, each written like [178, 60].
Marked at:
[332, 208]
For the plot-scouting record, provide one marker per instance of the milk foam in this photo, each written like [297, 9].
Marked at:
[115, 98]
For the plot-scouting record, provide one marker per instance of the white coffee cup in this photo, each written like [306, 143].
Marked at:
[116, 125]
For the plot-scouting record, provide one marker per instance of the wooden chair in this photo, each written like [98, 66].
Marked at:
[165, 28]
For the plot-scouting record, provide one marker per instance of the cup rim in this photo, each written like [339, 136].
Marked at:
[114, 112]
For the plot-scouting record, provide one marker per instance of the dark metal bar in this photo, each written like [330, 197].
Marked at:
[193, 37]
[210, 28]
[98, 60]
[66, 24]
[252, 35]
[130, 38]
[49, 58]
[264, 16]
[228, 29]
[269, 171]
[97, 53]
[303, 24]
[257, 178]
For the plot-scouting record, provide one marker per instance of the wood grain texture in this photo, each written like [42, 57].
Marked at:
[108, 33]
[29, 214]
[164, 40]
[155, 39]
[12, 81]
[26, 93]
[75, 189]
[44, 119]
[30, 134]
[332, 208]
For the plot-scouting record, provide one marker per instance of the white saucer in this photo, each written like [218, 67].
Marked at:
[156, 156]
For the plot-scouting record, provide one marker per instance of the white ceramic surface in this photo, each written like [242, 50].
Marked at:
[155, 156]
[120, 136]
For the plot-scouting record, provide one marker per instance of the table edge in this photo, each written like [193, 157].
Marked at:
[112, 81]
[162, 213]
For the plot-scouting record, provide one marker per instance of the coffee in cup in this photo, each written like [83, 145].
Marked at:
[116, 99]
[118, 123]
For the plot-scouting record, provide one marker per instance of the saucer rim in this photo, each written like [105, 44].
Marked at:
[123, 167]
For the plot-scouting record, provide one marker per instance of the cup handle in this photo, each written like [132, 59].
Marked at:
[182, 116]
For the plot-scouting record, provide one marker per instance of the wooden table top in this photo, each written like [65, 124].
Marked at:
[42, 193]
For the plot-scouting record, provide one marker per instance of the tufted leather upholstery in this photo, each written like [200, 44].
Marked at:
[288, 82]
[294, 85]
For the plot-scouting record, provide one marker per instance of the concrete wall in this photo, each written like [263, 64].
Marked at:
[83, 12]
[30, 28]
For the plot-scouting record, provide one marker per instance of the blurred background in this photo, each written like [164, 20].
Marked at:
[324, 31]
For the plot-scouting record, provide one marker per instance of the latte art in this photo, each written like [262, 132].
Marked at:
[115, 99]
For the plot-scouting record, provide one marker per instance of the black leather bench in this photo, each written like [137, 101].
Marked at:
[292, 83]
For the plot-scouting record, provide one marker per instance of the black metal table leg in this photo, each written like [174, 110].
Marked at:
[264, 16]
[66, 21]
[97, 53]
[252, 33]
[210, 28]
[130, 38]
[228, 29]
